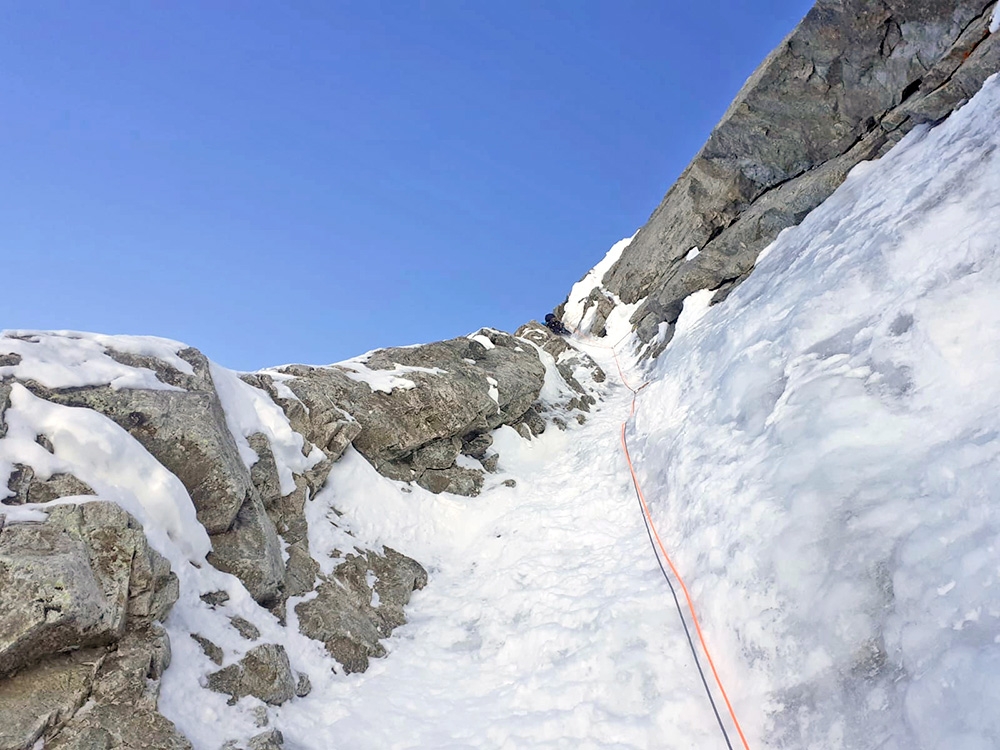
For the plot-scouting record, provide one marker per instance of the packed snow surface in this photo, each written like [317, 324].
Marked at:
[825, 449]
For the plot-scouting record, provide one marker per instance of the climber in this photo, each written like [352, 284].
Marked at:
[555, 325]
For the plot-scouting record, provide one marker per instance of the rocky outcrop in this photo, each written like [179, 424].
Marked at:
[416, 407]
[185, 429]
[264, 673]
[361, 604]
[846, 85]
[121, 711]
[81, 596]
[26, 488]
[73, 581]
[68, 600]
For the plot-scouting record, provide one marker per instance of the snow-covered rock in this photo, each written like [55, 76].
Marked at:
[844, 87]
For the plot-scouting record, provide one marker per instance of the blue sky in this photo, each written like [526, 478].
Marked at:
[301, 182]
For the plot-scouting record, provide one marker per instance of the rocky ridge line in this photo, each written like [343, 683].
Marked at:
[844, 87]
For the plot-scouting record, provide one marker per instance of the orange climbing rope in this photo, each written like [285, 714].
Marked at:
[654, 534]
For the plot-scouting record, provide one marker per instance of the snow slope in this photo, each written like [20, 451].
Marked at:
[825, 449]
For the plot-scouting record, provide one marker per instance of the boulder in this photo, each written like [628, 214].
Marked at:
[209, 648]
[72, 581]
[457, 480]
[350, 616]
[245, 628]
[263, 673]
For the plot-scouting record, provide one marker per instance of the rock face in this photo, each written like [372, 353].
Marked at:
[843, 87]
[81, 595]
[186, 430]
[71, 582]
[414, 410]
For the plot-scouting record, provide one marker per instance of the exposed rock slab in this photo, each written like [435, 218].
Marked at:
[43, 698]
[122, 714]
[843, 87]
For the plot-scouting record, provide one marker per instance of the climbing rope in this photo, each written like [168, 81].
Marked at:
[661, 554]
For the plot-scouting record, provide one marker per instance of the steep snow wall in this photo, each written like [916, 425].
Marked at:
[824, 453]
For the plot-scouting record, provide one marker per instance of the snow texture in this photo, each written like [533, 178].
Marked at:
[825, 457]
[573, 313]
[250, 410]
[71, 359]
[94, 449]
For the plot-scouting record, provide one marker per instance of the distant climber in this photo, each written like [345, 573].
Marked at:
[555, 325]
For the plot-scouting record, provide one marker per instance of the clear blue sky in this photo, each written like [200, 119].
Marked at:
[301, 182]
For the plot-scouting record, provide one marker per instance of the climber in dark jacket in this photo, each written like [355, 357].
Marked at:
[555, 325]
